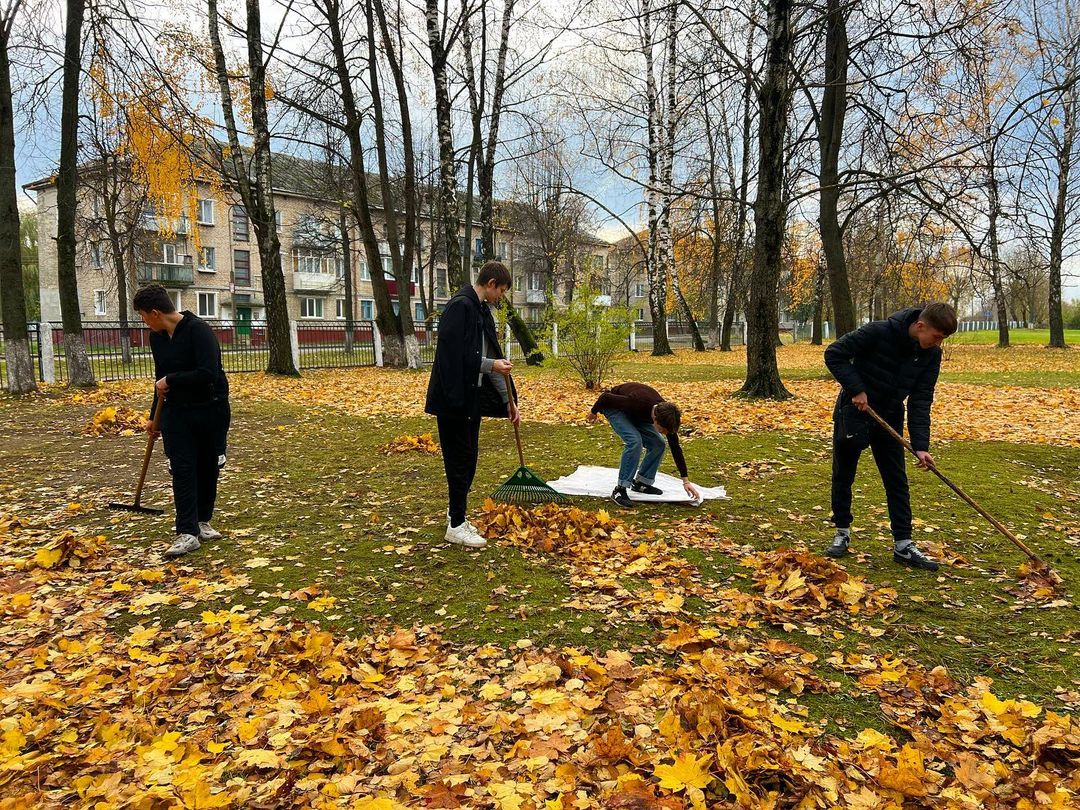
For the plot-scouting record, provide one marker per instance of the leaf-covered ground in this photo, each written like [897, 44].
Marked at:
[332, 651]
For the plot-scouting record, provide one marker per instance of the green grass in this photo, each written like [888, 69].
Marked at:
[310, 491]
[1019, 337]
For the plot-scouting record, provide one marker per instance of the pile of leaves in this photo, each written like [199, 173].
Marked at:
[408, 443]
[116, 420]
[234, 708]
[798, 581]
[565, 530]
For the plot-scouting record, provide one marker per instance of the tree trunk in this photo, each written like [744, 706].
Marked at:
[735, 283]
[119, 258]
[80, 373]
[447, 159]
[830, 138]
[347, 268]
[534, 355]
[656, 262]
[770, 214]
[1061, 212]
[20, 364]
[996, 280]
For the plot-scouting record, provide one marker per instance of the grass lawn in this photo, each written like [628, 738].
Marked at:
[1019, 337]
[312, 505]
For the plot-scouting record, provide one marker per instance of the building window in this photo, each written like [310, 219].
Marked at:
[519, 281]
[387, 267]
[241, 228]
[206, 212]
[419, 312]
[95, 254]
[364, 274]
[168, 253]
[311, 260]
[242, 268]
[311, 307]
[367, 309]
[639, 289]
[536, 281]
[207, 305]
[279, 217]
[97, 204]
[100, 305]
[641, 314]
[500, 250]
[340, 308]
[207, 260]
[441, 283]
[175, 296]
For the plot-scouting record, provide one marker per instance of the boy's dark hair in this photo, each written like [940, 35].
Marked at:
[940, 316]
[494, 271]
[152, 296]
[668, 416]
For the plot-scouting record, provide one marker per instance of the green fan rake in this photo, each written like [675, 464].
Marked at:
[525, 486]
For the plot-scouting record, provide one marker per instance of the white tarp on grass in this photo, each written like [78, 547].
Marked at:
[600, 481]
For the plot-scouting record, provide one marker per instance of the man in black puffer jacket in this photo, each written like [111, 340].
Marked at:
[880, 365]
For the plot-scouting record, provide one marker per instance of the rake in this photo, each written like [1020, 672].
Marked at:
[525, 486]
[137, 507]
[1037, 564]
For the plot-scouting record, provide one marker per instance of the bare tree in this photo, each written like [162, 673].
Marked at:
[20, 366]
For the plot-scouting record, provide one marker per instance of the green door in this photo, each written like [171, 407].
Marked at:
[243, 321]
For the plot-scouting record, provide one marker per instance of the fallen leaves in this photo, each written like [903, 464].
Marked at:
[798, 581]
[116, 420]
[424, 443]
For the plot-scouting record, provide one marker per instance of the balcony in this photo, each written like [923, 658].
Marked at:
[314, 282]
[165, 274]
[152, 222]
[392, 287]
[535, 297]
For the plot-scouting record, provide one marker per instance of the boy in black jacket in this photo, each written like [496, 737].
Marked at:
[192, 386]
[880, 365]
[467, 383]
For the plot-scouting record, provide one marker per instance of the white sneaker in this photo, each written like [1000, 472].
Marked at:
[463, 536]
[468, 523]
[184, 544]
[208, 532]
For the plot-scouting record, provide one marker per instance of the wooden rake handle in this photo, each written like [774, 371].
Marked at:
[155, 424]
[970, 501]
[509, 413]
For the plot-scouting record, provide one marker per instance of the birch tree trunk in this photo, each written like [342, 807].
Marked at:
[656, 266]
[448, 202]
[1070, 113]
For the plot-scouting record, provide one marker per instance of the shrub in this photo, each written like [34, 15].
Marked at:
[591, 336]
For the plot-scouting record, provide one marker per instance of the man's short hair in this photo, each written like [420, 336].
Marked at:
[940, 316]
[493, 271]
[668, 416]
[152, 296]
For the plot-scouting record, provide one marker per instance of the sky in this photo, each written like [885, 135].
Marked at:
[37, 151]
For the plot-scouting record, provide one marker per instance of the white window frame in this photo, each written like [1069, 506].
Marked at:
[318, 307]
[101, 303]
[177, 301]
[418, 311]
[388, 266]
[212, 298]
[166, 247]
[536, 281]
[639, 289]
[95, 255]
[365, 274]
[204, 220]
[339, 308]
[370, 303]
[205, 267]
[279, 218]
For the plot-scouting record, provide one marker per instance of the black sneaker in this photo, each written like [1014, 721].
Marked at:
[621, 498]
[646, 489]
[911, 556]
[839, 547]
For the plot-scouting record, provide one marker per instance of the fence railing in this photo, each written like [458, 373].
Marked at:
[119, 351]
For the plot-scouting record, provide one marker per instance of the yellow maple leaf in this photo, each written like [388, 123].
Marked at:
[260, 758]
[47, 557]
[687, 771]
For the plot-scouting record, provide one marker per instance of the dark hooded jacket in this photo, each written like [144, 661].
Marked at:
[883, 360]
[453, 389]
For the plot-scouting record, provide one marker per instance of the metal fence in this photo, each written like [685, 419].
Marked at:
[35, 354]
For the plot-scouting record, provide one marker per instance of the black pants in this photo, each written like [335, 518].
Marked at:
[460, 441]
[194, 438]
[853, 432]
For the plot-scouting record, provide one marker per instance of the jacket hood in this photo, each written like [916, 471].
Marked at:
[903, 319]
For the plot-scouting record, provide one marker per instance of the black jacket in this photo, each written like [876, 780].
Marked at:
[190, 361]
[452, 388]
[883, 360]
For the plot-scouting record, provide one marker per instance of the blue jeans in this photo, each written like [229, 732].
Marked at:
[635, 437]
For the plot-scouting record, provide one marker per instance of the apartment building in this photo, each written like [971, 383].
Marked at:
[211, 266]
